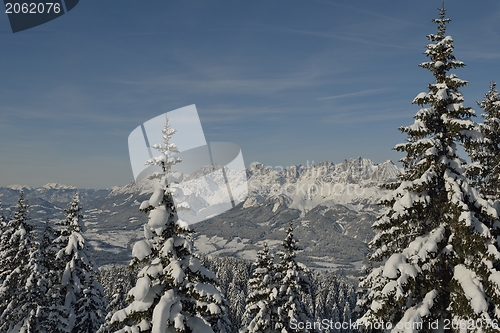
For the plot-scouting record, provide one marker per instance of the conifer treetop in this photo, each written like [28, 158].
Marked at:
[74, 218]
[443, 119]
[440, 51]
[290, 243]
[21, 213]
[165, 160]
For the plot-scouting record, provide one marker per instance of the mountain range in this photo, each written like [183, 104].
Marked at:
[332, 207]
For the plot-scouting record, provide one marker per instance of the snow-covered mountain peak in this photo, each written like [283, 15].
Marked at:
[57, 186]
[352, 182]
[16, 187]
[144, 185]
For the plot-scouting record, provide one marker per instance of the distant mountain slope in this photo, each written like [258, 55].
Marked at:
[331, 205]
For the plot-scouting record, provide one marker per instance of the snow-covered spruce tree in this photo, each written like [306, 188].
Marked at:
[233, 275]
[174, 293]
[15, 249]
[3, 219]
[53, 316]
[439, 259]
[117, 301]
[260, 315]
[485, 153]
[36, 302]
[81, 294]
[293, 281]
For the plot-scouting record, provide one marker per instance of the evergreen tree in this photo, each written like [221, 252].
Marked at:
[260, 315]
[54, 316]
[293, 282]
[233, 275]
[435, 242]
[15, 250]
[81, 294]
[34, 293]
[108, 277]
[485, 152]
[118, 301]
[3, 219]
[174, 292]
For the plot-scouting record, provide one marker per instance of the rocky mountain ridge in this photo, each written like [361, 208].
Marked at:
[331, 205]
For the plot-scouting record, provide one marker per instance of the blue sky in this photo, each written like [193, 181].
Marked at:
[290, 82]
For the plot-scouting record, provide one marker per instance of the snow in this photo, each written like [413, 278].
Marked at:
[148, 233]
[137, 306]
[141, 288]
[175, 177]
[205, 289]
[392, 265]
[197, 325]
[420, 96]
[168, 247]
[158, 217]
[413, 316]
[175, 270]
[145, 204]
[57, 186]
[495, 278]
[162, 314]
[16, 187]
[423, 245]
[472, 287]
[141, 250]
[75, 243]
[156, 197]
[194, 264]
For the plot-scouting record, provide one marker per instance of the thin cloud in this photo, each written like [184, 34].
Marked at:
[353, 117]
[482, 55]
[372, 13]
[230, 83]
[362, 39]
[355, 94]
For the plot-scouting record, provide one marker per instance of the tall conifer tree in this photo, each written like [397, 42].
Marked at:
[80, 292]
[174, 292]
[3, 219]
[260, 315]
[435, 243]
[15, 248]
[293, 282]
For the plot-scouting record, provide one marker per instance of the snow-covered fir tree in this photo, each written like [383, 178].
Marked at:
[485, 152]
[174, 293]
[117, 301]
[293, 281]
[233, 275]
[260, 313]
[80, 293]
[435, 244]
[15, 250]
[3, 219]
[34, 293]
[54, 316]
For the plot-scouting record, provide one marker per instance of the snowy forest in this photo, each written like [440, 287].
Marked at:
[434, 263]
